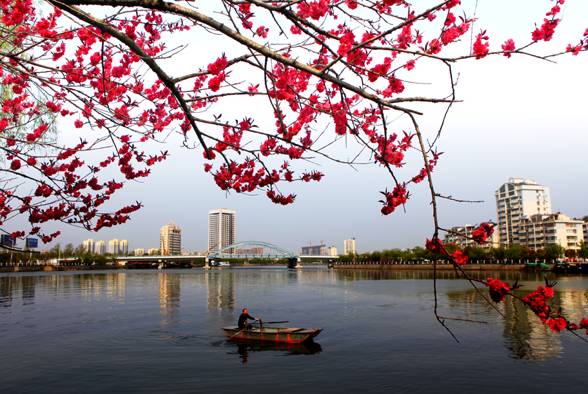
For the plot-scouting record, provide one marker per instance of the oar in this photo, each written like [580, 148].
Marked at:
[275, 322]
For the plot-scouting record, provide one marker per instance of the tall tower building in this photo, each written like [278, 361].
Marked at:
[222, 229]
[100, 247]
[518, 200]
[114, 246]
[170, 240]
[123, 247]
[88, 246]
[349, 246]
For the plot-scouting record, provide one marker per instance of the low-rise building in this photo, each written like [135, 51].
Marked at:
[255, 250]
[585, 228]
[314, 250]
[462, 237]
[539, 231]
[139, 252]
[152, 251]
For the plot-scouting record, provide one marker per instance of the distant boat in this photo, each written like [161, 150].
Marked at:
[273, 334]
[220, 264]
[541, 266]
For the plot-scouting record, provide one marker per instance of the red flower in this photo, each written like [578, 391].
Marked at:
[459, 257]
[15, 165]
[435, 245]
[215, 82]
[481, 234]
[480, 48]
[218, 65]
[557, 324]
[508, 47]
[497, 289]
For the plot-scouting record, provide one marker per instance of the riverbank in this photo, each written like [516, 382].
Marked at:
[50, 268]
[430, 267]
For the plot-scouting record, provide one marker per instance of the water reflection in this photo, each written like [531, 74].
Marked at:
[525, 336]
[169, 296]
[220, 286]
[89, 286]
[387, 274]
[244, 349]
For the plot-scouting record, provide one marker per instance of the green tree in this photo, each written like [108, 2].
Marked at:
[553, 252]
[583, 250]
[68, 251]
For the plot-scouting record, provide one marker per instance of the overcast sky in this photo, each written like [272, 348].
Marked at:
[520, 117]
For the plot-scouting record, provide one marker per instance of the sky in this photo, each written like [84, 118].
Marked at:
[519, 117]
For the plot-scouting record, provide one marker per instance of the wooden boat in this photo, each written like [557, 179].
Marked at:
[271, 334]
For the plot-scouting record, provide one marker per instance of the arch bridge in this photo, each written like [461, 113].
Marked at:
[252, 250]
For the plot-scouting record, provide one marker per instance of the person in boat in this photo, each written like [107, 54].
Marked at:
[243, 323]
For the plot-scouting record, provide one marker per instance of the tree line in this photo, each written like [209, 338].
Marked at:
[475, 254]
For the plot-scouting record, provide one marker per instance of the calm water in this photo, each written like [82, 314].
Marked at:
[160, 331]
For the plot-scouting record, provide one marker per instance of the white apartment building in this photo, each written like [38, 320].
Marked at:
[539, 231]
[114, 246]
[456, 236]
[152, 251]
[170, 240]
[222, 229]
[516, 200]
[88, 246]
[585, 226]
[349, 246]
[332, 251]
[100, 247]
[139, 252]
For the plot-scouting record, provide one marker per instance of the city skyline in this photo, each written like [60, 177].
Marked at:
[467, 227]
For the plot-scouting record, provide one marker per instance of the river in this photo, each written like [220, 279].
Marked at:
[160, 331]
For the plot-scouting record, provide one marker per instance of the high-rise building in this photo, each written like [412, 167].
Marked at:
[349, 246]
[114, 246]
[170, 240]
[517, 200]
[539, 231]
[88, 246]
[123, 247]
[100, 247]
[222, 229]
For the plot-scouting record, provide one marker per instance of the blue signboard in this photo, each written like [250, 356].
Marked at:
[32, 243]
[7, 240]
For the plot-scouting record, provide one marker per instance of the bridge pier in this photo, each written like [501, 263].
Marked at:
[206, 263]
[294, 262]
